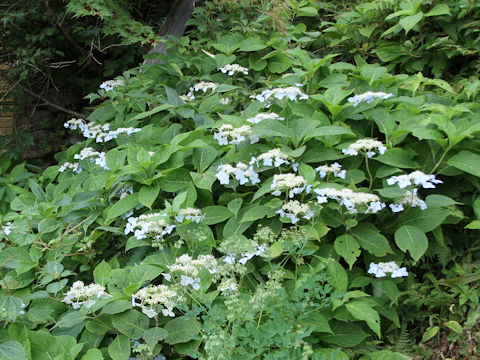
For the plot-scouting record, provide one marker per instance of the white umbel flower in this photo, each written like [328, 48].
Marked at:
[411, 199]
[79, 294]
[382, 268]
[292, 93]
[294, 184]
[263, 116]
[111, 84]
[368, 97]
[75, 167]
[201, 86]
[101, 133]
[335, 168]
[274, 157]
[190, 214]
[190, 267]
[231, 69]
[366, 145]
[293, 208]
[154, 296]
[350, 199]
[242, 172]
[227, 134]
[415, 178]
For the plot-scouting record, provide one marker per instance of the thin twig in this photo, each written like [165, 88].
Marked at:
[48, 102]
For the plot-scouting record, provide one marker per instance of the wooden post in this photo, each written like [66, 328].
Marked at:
[7, 122]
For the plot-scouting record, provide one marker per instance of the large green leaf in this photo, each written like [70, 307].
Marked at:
[345, 335]
[371, 240]
[12, 350]
[181, 330]
[122, 206]
[203, 157]
[427, 219]
[362, 310]
[119, 349]
[466, 161]
[102, 273]
[347, 247]
[408, 22]
[336, 275]
[130, 323]
[215, 214]
[175, 180]
[413, 239]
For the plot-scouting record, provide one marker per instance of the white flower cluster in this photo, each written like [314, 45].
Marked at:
[410, 198]
[96, 157]
[293, 208]
[335, 168]
[242, 172]
[382, 268]
[150, 224]
[156, 295]
[292, 93]
[7, 228]
[295, 184]
[201, 86]
[231, 69]
[110, 84]
[369, 96]
[236, 135]
[274, 157]
[350, 199]
[365, 145]
[189, 214]
[75, 167]
[101, 133]
[224, 101]
[262, 116]
[260, 250]
[79, 294]
[415, 178]
[229, 284]
[124, 192]
[190, 267]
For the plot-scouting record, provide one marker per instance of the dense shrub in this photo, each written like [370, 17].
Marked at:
[249, 200]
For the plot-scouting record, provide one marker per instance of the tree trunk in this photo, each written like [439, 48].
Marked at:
[174, 25]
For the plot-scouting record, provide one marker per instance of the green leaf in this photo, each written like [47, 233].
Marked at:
[12, 350]
[466, 161]
[173, 98]
[256, 212]
[203, 181]
[347, 247]
[122, 206]
[439, 200]
[251, 44]
[174, 180]
[119, 349]
[143, 273]
[439, 9]
[37, 191]
[10, 306]
[455, 326]
[48, 225]
[426, 220]
[319, 323]
[154, 335]
[307, 11]
[70, 319]
[215, 214]
[275, 250]
[181, 330]
[408, 22]
[345, 335]
[362, 310]
[102, 273]
[371, 240]
[272, 128]
[203, 157]
[328, 131]
[413, 239]
[336, 275]
[151, 112]
[148, 194]
[256, 63]
[398, 158]
[279, 63]
[131, 323]
[92, 354]
[430, 333]
[117, 307]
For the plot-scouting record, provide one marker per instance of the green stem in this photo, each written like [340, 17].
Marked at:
[369, 172]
